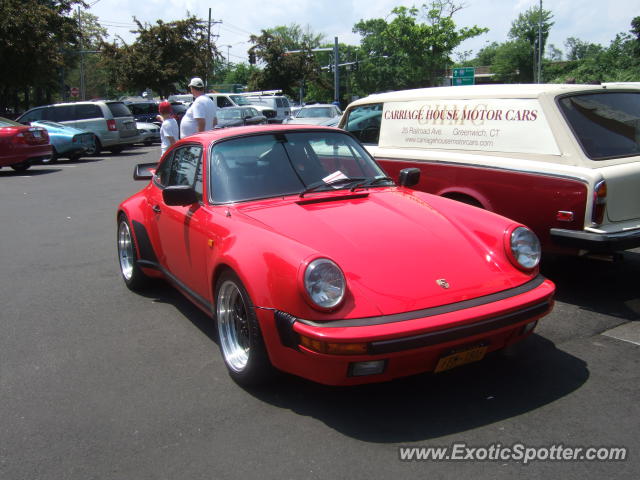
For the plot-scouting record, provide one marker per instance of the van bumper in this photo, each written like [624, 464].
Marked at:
[596, 242]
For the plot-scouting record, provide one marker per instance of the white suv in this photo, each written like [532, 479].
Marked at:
[279, 103]
[235, 100]
[111, 121]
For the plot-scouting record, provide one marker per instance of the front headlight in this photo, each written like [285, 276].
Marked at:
[324, 283]
[525, 248]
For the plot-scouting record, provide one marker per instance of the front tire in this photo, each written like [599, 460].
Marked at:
[133, 276]
[239, 333]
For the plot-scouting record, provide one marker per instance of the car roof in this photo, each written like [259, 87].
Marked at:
[214, 135]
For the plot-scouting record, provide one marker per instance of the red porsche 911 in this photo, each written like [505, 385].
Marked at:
[312, 261]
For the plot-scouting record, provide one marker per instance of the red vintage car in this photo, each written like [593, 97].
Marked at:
[314, 262]
[21, 145]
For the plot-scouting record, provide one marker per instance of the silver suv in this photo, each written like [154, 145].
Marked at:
[111, 121]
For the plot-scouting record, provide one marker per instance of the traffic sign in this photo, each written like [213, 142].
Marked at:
[463, 76]
[75, 91]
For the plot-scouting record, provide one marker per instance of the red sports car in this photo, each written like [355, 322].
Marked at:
[314, 262]
[22, 145]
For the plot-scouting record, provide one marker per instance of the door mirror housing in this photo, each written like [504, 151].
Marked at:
[409, 177]
[144, 171]
[179, 195]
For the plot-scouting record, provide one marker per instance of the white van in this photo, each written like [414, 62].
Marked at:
[562, 159]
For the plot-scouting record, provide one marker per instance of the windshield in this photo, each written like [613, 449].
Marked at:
[275, 165]
[240, 100]
[316, 112]
[229, 114]
[606, 124]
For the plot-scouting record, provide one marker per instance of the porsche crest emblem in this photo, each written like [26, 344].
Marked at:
[443, 283]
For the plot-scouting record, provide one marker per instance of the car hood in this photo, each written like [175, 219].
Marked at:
[394, 248]
[52, 129]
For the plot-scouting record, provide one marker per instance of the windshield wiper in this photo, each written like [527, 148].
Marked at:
[338, 181]
[370, 182]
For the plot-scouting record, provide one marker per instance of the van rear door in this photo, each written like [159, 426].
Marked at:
[125, 122]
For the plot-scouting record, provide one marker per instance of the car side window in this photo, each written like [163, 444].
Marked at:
[62, 113]
[364, 122]
[279, 103]
[184, 167]
[33, 116]
[224, 102]
[84, 112]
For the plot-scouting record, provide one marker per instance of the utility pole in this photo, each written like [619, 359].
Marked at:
[82, 88]
[336, 72]
[206, 60]
[540, 45]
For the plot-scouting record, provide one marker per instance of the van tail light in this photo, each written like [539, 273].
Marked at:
[111, 125]
[599, 202]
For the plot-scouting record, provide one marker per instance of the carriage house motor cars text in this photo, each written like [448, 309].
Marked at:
[562, 159]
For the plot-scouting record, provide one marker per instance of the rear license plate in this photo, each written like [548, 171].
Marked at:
[128, 126]
[455, 359]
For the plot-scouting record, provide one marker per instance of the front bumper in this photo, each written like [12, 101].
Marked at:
[408, 343]
[596, 242]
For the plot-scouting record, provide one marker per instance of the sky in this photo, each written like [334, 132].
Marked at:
[594, 21]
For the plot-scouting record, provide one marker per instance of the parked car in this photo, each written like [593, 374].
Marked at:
[67, 142]
[315, 114]
[238, 116]
[181, 97]
[562, 159]
[179, 109]
[235, 100]
[21, 146]
[316, 263]
[143, 111]
[278, 103]
[149, 132]
[110, 121]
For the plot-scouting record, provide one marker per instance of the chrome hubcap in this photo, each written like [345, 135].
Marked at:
[125, 250]
[233, 326]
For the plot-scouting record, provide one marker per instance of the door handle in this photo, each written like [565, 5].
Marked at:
[156, 208]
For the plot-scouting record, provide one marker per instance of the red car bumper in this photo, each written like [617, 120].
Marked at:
[405, 344]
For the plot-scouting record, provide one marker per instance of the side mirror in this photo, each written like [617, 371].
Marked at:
[144, 171]
[179, 195]
[409, 177]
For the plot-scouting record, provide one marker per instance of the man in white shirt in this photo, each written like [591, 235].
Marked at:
[201, 114]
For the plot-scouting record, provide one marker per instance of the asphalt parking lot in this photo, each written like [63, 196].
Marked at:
[99, 383]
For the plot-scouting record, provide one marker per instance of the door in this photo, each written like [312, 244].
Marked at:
[181, 230]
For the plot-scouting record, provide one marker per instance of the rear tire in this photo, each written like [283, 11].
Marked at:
[240, 338]
[21, 167]
[132, 274]
[97, 148]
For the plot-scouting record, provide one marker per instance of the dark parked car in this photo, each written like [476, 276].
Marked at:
[238, 116]
[143, 111]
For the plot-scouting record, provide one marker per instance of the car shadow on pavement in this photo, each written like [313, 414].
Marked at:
[32, 172]
[423, 406]
[430, 406]
[607, 287]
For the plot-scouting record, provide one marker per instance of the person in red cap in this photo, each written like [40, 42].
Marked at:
[169, 132]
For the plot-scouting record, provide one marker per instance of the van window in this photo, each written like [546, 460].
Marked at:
[33, 115]
[607, 125]
[364, 123]
[224, 102]
[62, 113]
[119, 109]
[87, 111]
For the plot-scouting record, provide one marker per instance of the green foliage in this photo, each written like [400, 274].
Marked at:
[34, 36]
[284, 70]
[163, 56]
[407, 52]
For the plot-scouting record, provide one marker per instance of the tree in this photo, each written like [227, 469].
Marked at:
[163, 55]
[284, 70]
[34, 59]
[531, 27]
[413, 49]
[579, 50]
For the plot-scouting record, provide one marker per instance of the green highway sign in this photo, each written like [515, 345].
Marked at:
[463, 76]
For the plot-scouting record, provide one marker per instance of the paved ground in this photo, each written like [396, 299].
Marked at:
[98, 382]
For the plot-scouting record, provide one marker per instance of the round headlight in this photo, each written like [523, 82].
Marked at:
[324, 283]
[525, 247]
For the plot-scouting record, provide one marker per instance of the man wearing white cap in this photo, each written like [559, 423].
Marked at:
[201, 115]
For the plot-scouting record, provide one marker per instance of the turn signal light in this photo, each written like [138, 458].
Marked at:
[599, 202]
[333, 348]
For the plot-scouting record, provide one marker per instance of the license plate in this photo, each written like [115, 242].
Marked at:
[129, 126]
[463, 357]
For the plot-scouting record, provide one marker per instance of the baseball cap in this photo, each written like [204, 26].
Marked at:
[165, 107]
[196, 82]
